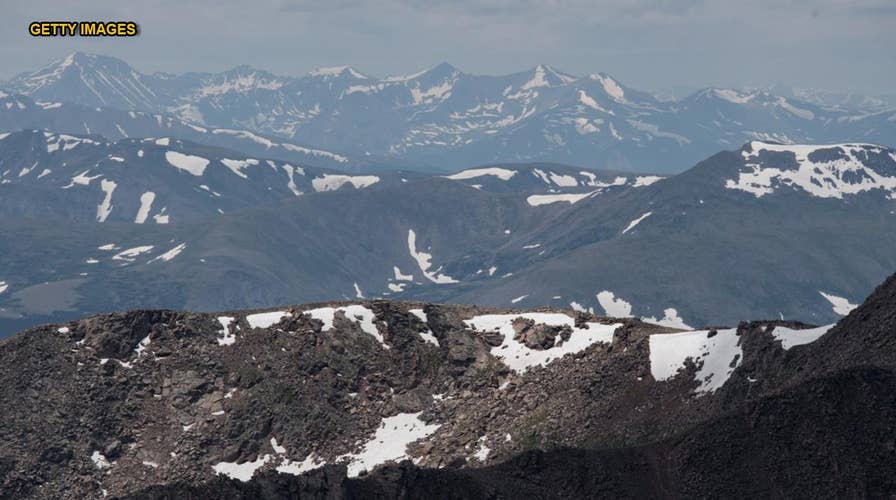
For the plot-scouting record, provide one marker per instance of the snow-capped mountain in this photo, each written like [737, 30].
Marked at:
[443, 117]
[92, 80]
[19, 112]
[804, 231]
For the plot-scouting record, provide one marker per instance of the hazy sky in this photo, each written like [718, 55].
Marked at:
[650, 44]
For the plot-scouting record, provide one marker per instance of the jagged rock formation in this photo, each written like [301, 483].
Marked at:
[392, 399]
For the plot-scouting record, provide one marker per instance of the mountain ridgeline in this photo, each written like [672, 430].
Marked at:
[373, 399]
[766, 231]
[441, 118]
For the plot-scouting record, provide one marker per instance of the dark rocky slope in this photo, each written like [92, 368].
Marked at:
[764, 411]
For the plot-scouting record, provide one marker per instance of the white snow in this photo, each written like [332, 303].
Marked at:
[646, 180]
[81, 179]
[841, 306]
[3, 286]
[790, 337]
[227, 337]
[265, 319]
[161, 217]
[733, 96]
[632, 224]
[610, 87]
[564, 180]
[363, 316]
[164, 141]
[192, 164]
[520, 358]
[296, 468]
[719, 355]
[483, 451]
[613, 305]
[389, 443]
[358, 293]
[277, 448]
[100, 460]
[518, 299]
[423, 261]
[670, 319]
[131, 254]
[105, 207]
[290, 172]
[433, 94]
[241, 471]
[427, 336]
[824, 179]
[501, 173]
[237, 166]
[170, 254]
[331, 182]
[108, 247]
[142, 345]
[546, 199]
[399, 276]
[146, 200]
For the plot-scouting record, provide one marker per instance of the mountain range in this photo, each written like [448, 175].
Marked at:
[766, 231]
[443, 118]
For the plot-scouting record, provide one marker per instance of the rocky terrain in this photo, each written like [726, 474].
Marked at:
[398, 399]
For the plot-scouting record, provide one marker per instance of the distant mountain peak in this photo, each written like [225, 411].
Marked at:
[337, 71]
[546, 76]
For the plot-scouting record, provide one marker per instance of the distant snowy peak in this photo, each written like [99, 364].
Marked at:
[90, 79]
[825, 171]
[546, 76]
[756, 98]
[337, 71]
[239, 79]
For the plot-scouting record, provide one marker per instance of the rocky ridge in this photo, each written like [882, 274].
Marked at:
[319, 400]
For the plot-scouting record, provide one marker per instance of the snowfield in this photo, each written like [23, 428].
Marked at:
[519, 358]
[840, 172]
[790, 337]
[717, 356]
[331, 182]
[501, 173]
[188, 163]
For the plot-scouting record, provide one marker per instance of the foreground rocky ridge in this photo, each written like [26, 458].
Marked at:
[318, 400]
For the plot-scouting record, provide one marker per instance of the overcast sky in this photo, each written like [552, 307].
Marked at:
[650, 44]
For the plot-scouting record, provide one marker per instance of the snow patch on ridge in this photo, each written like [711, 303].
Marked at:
[614, 306]
[501, 173]
[189, 163]
[841, 172]
[717, 356]
[840, 305]
[790, 337]
[389, 443]
[519, 358]
[331, 182]
[546, 199]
